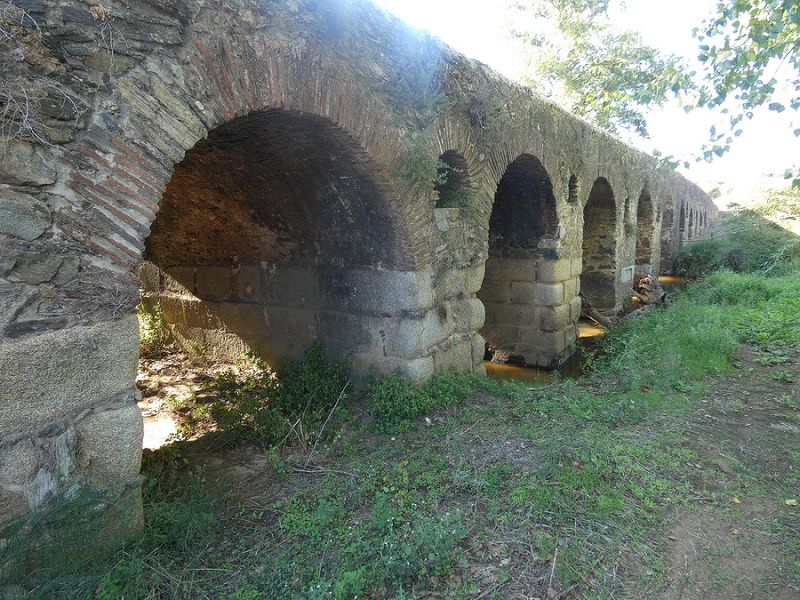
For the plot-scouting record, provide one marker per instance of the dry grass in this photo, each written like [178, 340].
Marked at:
[25, 84]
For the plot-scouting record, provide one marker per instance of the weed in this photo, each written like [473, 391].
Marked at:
[418, 168]
[394, 402]
[269, 407]
[782, 375]
[154, 337]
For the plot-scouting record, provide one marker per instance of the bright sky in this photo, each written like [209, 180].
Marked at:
[481, 30]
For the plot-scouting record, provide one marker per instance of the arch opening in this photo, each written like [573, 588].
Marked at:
[275, 232]
[599, 274]
[682, 232]
[645, 227]
[523, 235]
[668, 239]
[572, 190]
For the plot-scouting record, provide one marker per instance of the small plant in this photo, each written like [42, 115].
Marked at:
[394, 402]
[463, 199]
[782, 375]
[418, 168]
[271, 407]
[154, 337]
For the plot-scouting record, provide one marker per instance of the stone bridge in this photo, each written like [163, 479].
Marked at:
[265, 173]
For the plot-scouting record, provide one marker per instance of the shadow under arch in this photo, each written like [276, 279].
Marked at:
[682, 232]
[668, 238]
[645, 230]
[523, 231]
[274, 232]
[599, 274]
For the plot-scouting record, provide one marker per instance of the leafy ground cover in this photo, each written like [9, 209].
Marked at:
[668, 471]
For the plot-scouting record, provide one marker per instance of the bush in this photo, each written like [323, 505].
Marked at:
[748, 243]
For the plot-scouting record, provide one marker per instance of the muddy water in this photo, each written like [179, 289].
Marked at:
[676, 280]
[588, 332]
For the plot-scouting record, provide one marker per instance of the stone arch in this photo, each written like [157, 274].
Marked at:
[273, 233]
[115, 176]
[645, 231]
[668, 237]
[523, 289]
[599, 272]
[691, 224]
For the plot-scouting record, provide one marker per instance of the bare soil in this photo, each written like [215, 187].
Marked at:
[738, 538]
[731, 544]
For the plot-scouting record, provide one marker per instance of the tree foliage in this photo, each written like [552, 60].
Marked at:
[607, 76]
[751, 50]
[748, 51]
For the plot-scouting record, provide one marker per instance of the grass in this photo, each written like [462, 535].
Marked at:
[463, 486]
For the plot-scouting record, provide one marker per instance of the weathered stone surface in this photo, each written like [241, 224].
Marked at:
[549, 294]
[555, 318]
[554, 271]
[64, 372]
[24, 165]
[510, 269]
[468, 314]
[18, 463]
[36, 268]
[449, 284]
[417, 370]
[524, 292]
[478, 351]
[22, 216]
[575, 308]
[109, 445]
[380, 291]
[517, 314]
[549, 345]
[571, 288]
[576, 266]
[457, 357]
[473, 278]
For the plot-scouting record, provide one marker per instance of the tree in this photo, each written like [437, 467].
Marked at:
[751, 50]
[606, 76]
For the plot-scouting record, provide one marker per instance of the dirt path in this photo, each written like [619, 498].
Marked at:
[740, 540]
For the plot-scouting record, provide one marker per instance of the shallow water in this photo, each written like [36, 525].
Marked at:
[672, 280]
[588, 332]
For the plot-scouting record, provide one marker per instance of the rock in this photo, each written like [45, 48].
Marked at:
[72, 369]
[22, 216]
[18, 463]
[36, 268]
[22, 165]
[110, 445]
